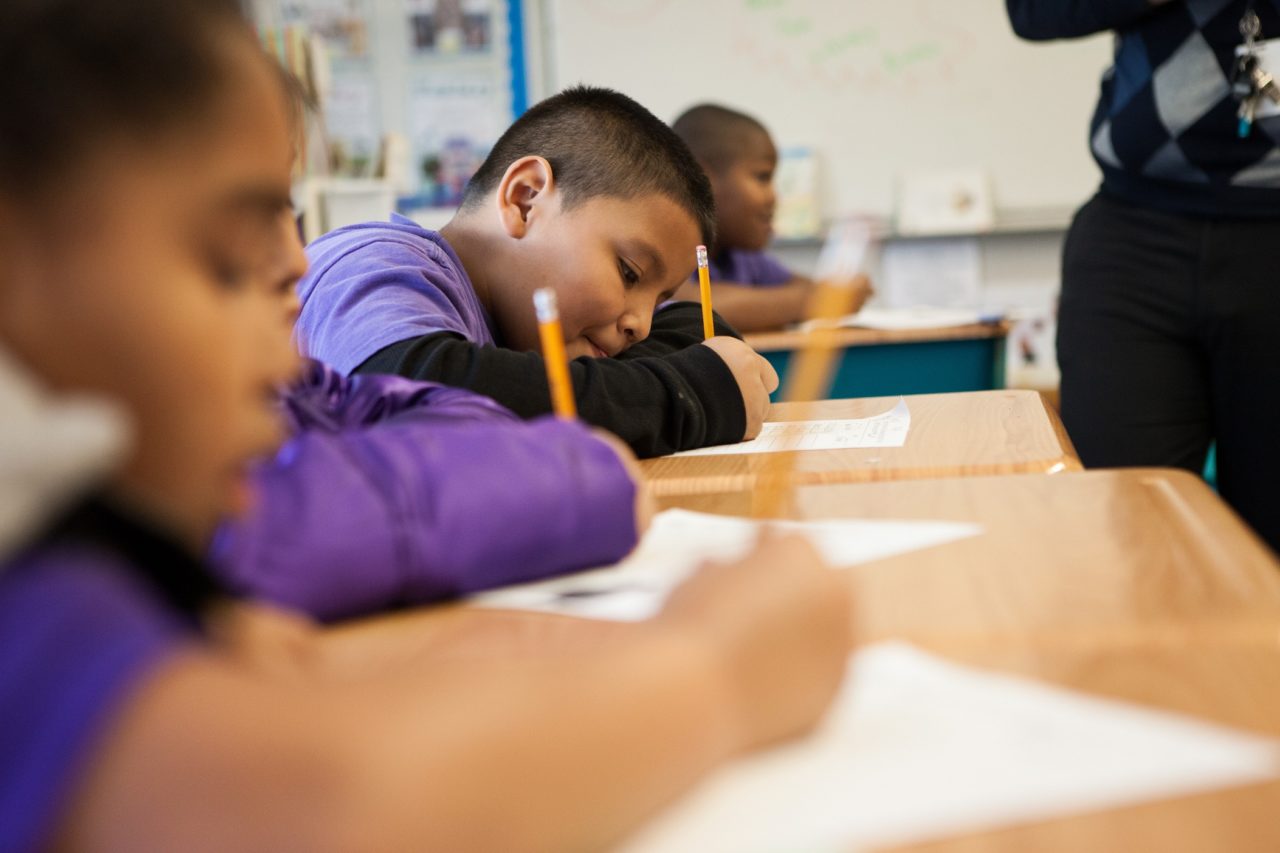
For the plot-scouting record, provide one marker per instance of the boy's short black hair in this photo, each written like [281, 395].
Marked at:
[74, 70]
[714, 133]
[601, 143]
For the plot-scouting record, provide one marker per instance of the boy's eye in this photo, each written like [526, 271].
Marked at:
[764, 177]
[629, 273]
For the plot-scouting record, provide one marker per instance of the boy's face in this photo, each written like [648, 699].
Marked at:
[745, 199]
[611, 262]
[157, 282]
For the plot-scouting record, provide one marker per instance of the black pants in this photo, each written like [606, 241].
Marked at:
[1168, 339]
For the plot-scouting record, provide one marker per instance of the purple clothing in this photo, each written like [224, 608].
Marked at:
[378, 283]
[394, 491]
[79, 634]
[754, 268]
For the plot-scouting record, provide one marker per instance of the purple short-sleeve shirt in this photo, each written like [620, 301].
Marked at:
[758, 269]
[379, 283]
[79, 634]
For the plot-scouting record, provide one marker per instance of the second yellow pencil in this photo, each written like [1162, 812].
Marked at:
[552, 336]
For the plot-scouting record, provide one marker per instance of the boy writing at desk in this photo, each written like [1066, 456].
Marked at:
[753, 291]
[587, 193]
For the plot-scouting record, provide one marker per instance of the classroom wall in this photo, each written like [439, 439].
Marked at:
[879, 88]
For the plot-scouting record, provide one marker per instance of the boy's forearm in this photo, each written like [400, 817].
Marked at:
[208, 755]
[566, 744]
[684, 399]
[677, 327]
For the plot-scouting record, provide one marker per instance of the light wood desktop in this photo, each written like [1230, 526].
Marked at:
[1137, 584]
[951, 435]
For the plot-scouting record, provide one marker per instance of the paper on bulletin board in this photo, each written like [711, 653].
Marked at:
[446, 27]
[351, 116]
[343, 24]
[454, 119]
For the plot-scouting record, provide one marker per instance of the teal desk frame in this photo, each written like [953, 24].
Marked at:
[921, 365]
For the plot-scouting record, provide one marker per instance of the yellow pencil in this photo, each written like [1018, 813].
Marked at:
[544, 303]
[704, 285]
[809, 376]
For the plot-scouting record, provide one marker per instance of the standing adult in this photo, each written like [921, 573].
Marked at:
[1169, 322]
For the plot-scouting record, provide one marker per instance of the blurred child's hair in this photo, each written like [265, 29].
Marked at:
[74, 71]
[601, 143]
[714, 133]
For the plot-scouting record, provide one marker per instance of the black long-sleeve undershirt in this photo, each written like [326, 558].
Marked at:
[661, 395]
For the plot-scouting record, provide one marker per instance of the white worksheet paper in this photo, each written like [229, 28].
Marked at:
[917, 748]
[679, 541]
[909, 319]
[887, 429]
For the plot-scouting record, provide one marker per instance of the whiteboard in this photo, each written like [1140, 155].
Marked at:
[875, 87]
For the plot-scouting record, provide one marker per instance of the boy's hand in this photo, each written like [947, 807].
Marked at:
[779, 627]
[645, 504]
[756, 379]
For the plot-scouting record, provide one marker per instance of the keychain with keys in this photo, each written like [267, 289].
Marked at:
[1249, 80]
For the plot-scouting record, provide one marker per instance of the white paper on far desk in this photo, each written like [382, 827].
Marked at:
[910, 319]
[918, 748]
[888, 429]
[679, 541]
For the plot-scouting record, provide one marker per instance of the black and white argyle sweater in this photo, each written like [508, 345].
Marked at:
[1165, 130]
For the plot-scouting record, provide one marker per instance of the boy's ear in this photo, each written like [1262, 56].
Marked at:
[526, 185]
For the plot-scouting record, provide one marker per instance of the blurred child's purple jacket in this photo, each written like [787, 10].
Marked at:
[393, 491]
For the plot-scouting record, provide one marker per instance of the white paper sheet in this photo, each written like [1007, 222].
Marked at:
[911, 319]
[679, 541]
[888, 429]
[918, 748]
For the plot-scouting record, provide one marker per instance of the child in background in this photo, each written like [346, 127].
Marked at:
[587, 193]
[752, 290]
[142, 709]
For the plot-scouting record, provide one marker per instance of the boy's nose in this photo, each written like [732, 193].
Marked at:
[636, 322]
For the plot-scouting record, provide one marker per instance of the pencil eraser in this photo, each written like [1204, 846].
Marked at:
[544, 303]
[702, 256]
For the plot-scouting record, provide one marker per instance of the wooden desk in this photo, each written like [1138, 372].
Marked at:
[1137, 584]
[914, 361]
[1074, 563]
[981, 432]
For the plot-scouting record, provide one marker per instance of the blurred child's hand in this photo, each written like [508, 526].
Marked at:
[778, 624]
[756, 378]
[646, 506]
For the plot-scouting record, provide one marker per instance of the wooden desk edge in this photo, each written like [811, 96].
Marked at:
[1070, 458]
[781, 341]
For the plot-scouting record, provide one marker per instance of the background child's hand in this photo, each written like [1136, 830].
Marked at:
[756, 378]
[646, 506]
[862, 291]
[778, 624]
